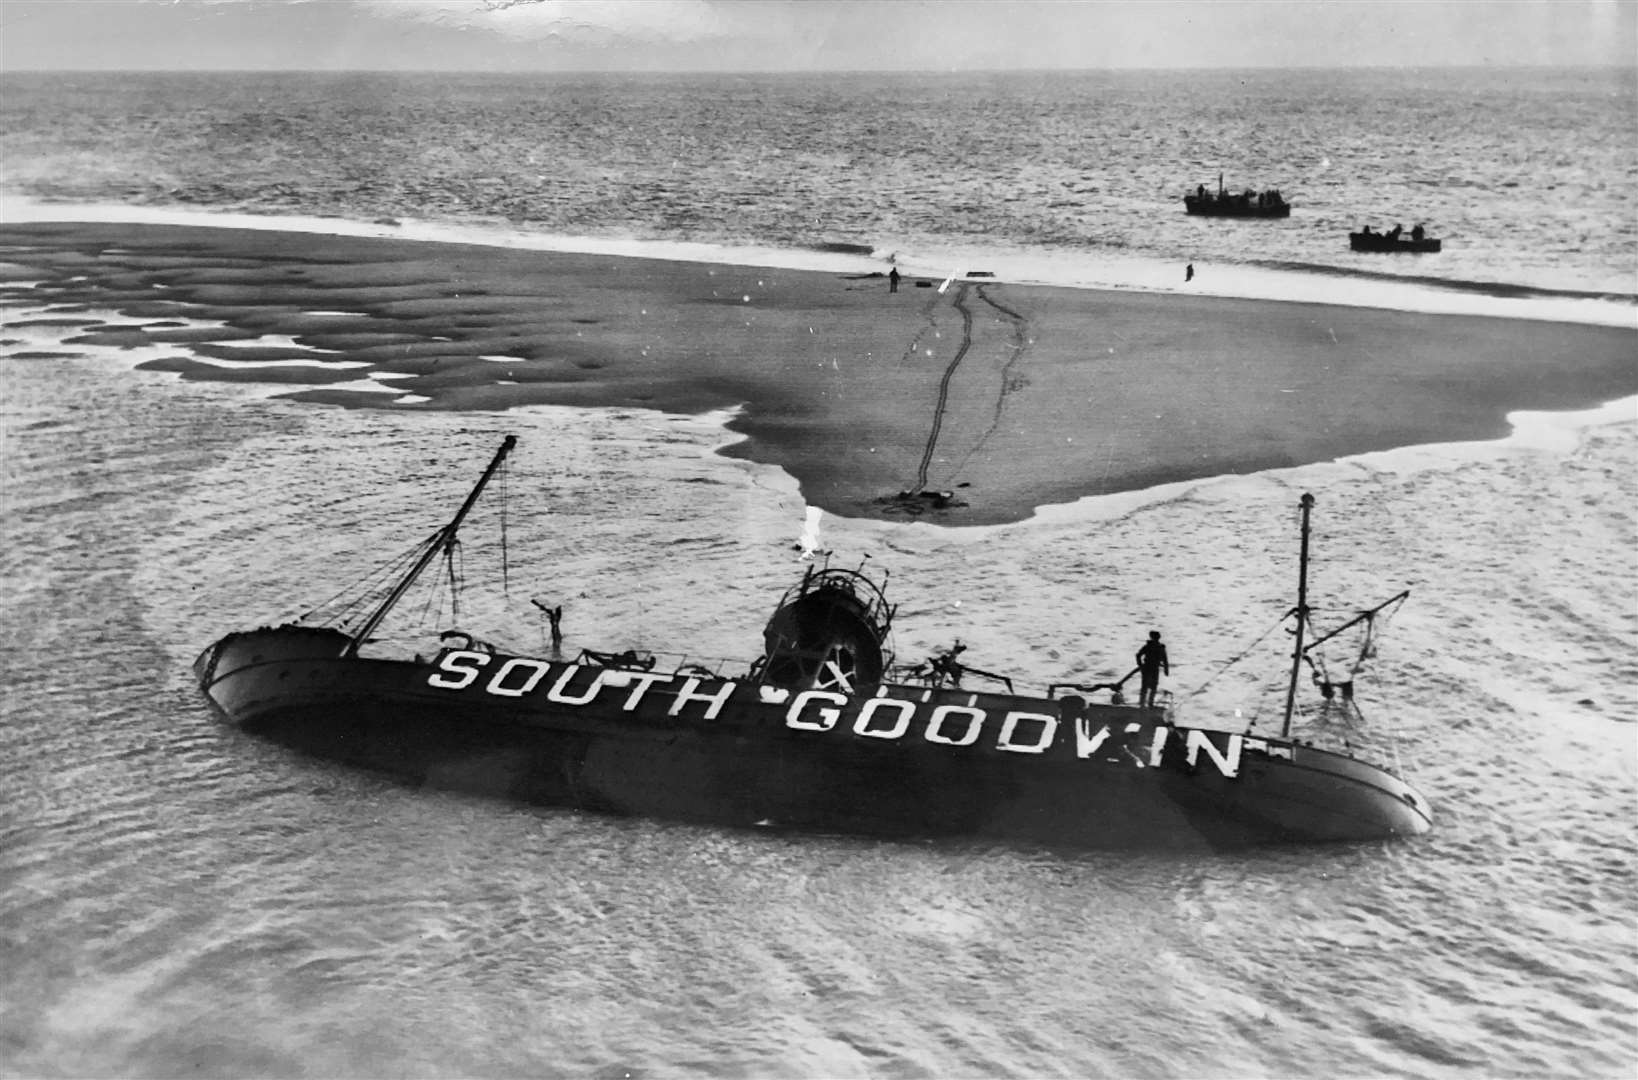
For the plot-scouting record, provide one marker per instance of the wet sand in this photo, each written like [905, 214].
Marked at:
[1004, 396]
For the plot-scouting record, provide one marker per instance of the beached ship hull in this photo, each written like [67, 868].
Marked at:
[907, 762]
[1381, 242]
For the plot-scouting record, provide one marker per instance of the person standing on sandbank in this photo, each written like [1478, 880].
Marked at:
[893, 280]
[1152, 663]
[1188, 272]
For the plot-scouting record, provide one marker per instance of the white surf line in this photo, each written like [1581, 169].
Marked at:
[239, 365]
[357, 386]
[273, 341]
[1087, 270]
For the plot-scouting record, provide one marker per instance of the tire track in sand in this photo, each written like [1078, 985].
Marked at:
[1020, 344]
[960, 304]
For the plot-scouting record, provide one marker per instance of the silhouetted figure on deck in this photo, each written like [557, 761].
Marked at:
[1152, 663]
[1417, 233]
[555, 614]
[1393, 234]
[945, 665]
[893, 280]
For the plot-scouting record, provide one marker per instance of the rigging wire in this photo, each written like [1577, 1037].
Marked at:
[1236, 659]
[362, 591]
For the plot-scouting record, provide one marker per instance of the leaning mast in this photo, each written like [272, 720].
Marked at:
[441, 541]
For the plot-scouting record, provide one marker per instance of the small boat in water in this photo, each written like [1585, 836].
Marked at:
[1418, 242]
[821, 733]
[1246, 204]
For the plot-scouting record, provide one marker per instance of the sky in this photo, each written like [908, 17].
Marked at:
[807, 35]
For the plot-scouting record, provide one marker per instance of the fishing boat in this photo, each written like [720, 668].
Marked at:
[1246, 204]
[1393, 242]
[820, 733]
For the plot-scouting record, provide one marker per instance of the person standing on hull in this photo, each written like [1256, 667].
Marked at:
[1152, 663]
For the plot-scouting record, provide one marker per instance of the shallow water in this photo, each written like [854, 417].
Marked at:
[179, 898]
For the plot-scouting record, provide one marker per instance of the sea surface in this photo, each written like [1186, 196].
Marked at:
[1530, 176]
[179, 899]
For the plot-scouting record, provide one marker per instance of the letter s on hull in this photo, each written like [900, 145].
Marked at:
[463, 663]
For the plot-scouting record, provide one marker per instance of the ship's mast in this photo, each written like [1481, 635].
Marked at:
[441, 541]
[1302, 618]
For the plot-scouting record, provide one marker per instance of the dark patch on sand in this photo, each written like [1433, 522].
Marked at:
[112, 339]
[50, 323]
[253, 354]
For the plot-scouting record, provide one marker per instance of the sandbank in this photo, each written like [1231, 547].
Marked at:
[1005, 396]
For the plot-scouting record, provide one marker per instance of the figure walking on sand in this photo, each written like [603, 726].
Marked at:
[1188, 272]
[1152, 663]
[893, 280]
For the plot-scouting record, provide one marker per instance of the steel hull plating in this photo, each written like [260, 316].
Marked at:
[907, 763]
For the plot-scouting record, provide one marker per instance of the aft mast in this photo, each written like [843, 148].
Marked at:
[441, 541]
[1302, 618]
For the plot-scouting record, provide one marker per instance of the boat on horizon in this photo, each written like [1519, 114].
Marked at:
[822, 733]
[1268, 203]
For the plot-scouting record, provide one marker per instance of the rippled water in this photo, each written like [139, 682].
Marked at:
[178, 898]
[1529, 175]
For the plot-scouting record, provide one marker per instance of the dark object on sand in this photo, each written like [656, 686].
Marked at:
[922, 499]
[821, 733]
[1416, 243]
[1246, 204]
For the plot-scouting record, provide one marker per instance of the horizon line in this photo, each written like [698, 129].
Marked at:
[211, 70]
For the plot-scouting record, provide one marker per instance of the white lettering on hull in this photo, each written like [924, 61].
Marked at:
[537, 670]
[1227, 760]
[464, 664]
[1044, 735]
[969, 734]
[689, 692]
[1132, 744]
[559, 691]
[900, 725]
[827, 717]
